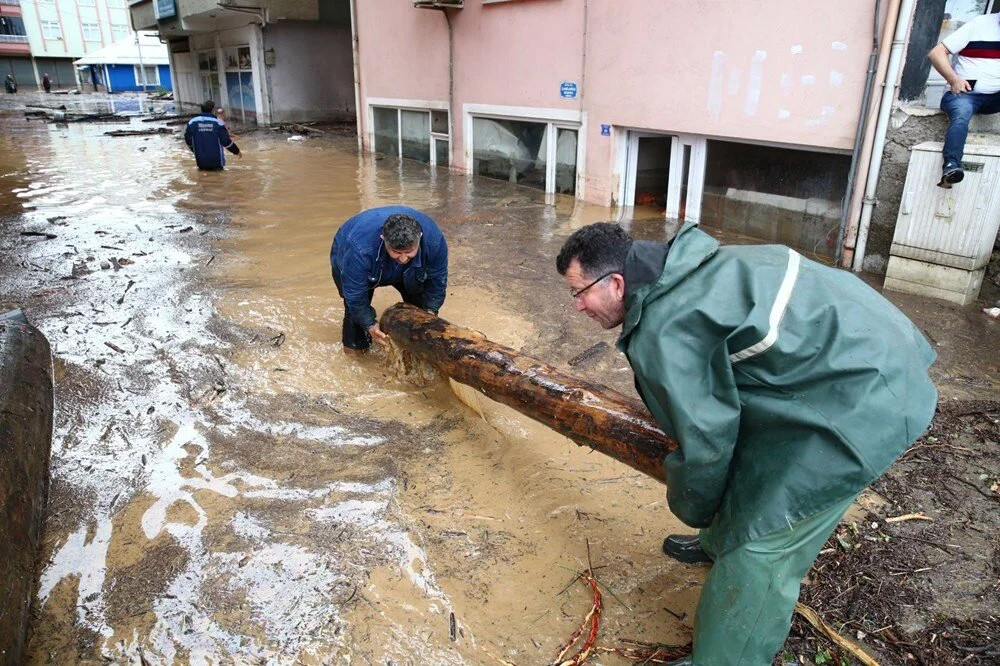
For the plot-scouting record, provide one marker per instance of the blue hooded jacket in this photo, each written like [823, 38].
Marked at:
[359, 258]
[206, 136]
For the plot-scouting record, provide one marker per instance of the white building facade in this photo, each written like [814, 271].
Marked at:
[61, 31]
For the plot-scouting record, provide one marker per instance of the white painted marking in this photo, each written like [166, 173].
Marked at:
[735, 78]
[754, 83]
[838, 46]
[796, 49]
[715, 85]
[784, 113]
[836, 79]
[808, 79]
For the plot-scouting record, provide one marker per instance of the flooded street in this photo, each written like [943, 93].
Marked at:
[228, 487]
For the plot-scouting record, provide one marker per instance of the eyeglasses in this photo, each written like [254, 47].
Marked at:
[577, 293]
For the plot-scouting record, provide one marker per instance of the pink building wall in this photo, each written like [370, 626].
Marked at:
[782, 72]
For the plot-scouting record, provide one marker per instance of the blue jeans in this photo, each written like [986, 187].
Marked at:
[960, 109]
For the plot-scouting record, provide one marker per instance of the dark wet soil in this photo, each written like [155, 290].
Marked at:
[920, 591]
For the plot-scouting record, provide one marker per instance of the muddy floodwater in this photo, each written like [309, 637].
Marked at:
[229, 488]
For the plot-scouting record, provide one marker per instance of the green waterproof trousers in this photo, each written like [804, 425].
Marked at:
[746, 606]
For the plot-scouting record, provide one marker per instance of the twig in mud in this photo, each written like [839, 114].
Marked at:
[348, 599]
[115, 347]
[121, 299]
[909, 516]
[813, 618]
[278, 340]
[592, 618]
[210, 260]
[974, 487]
[42, 234]
[680, 618]
[649, 653]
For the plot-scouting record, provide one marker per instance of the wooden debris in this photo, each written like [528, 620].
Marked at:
[168, 116]
[590, 414]
[142, 132]
[909, 516]
[42, 234]
[813, 618]
[591, 624]
[589, 353]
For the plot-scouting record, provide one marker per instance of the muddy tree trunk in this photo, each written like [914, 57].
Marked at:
[589, 414]
[25, 439]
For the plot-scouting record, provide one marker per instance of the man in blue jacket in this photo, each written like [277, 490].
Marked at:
[789, 386]
[389, 246]
[206, 136]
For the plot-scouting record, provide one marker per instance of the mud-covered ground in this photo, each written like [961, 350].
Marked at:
[227, 487]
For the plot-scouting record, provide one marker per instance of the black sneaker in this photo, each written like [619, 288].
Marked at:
[952, 174]
[685, 548]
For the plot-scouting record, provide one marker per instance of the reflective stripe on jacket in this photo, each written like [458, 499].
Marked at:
[789, 385]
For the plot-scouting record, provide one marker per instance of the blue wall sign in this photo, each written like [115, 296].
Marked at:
[164, 9]
[605, 130]
[567, 89]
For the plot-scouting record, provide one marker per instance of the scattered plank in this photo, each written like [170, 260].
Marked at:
[142, 132]
[167, 116]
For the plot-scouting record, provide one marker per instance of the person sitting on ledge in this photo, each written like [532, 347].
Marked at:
[974, 81]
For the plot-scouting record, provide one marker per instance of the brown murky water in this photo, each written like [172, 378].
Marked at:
[229, 488]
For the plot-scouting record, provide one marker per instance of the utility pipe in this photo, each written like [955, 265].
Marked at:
[878, 147]
[859, 134]
[357, 73]
[850, 235]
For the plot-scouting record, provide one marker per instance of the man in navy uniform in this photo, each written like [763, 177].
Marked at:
[206, 136]
[393, 246]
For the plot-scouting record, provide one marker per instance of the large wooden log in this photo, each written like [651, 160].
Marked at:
[590, 414]
[25, 440]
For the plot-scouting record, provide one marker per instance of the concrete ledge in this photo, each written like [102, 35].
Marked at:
[25, 443]
[980, 124]
[919, 277]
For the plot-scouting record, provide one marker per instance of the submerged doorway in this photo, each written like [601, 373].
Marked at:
[665, 171]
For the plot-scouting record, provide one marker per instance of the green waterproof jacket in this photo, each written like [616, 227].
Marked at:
[789, 385]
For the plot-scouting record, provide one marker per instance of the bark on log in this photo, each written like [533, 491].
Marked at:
[588, 413]
[25, 440]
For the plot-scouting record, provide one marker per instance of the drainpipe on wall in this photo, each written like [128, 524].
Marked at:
[850, 233]
[878, 146]
[357, 74]
[451, 91]
[859, 135]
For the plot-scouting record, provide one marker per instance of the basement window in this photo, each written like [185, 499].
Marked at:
[788, 196]
[411, 133]
[535, 154]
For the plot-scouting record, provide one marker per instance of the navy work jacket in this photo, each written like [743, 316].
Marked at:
[360, 259]
[206, 136]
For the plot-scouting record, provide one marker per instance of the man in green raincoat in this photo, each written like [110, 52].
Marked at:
[789, 386]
